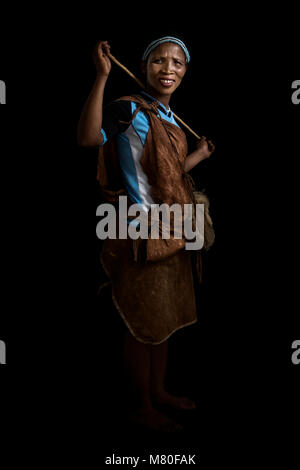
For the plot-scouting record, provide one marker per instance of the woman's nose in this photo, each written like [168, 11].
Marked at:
[167, 67]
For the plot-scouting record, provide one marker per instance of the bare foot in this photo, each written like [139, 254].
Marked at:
[179, 403]
[153, 419]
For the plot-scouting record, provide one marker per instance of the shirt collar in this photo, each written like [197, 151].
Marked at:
[162, 106]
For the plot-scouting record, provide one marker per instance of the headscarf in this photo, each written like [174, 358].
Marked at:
[157, 42]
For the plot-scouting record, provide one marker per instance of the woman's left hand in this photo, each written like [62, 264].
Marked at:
[205, 147]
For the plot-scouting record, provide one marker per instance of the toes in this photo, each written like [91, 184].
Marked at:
[189, 404]
[185, 403]
[171, 426]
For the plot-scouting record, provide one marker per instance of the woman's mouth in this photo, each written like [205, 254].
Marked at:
[166, 82]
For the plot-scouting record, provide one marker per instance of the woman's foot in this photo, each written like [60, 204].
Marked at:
[153, 419]
[178, 403]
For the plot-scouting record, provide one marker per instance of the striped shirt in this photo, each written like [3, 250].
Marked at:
[130, 140]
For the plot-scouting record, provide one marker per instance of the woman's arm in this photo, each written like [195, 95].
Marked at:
[90, 123]
[204, 150]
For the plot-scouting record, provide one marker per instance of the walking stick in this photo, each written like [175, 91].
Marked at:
[143, 86]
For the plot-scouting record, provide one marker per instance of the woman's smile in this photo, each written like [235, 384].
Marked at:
[167, 82]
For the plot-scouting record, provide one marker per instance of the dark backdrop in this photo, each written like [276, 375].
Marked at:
[236, 360]
[238, 355]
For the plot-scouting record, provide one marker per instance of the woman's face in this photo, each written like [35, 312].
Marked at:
[165, 68]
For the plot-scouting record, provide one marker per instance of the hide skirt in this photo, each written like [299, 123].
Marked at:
[154, 298]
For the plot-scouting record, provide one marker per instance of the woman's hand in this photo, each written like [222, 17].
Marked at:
[101, 59]
[90, 123]
[205, 148]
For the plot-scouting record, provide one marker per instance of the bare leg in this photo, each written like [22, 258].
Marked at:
[159, 357]
[137, 364]
[137, 358]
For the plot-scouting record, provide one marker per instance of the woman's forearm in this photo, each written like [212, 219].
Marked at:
[90, 122]
[193, 159]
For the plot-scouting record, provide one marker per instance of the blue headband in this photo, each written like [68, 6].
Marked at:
[157, 42]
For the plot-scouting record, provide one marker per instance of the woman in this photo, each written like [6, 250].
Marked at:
[143, 155]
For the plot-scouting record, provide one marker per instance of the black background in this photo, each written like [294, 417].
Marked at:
[237, 360]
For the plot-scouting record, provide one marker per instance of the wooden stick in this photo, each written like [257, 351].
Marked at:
[125, 69]
[143, 86]
[186, 126]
